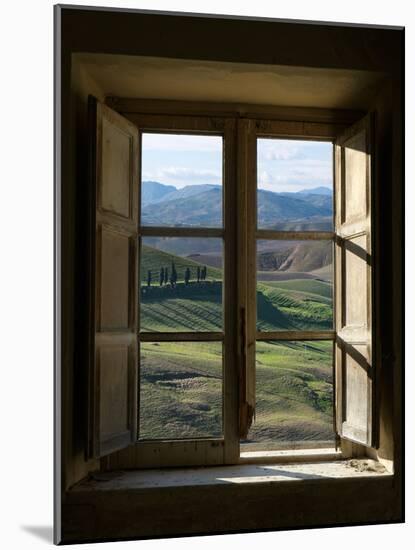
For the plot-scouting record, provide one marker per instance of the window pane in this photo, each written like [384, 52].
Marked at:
[181, 180]
[295, 185]
[294, 285]
[180, 390]
[181, 284]
[294, 396]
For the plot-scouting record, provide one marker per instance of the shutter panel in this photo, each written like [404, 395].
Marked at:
[114, 279]
[355, 371]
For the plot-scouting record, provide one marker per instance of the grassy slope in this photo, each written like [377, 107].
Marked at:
[311, 286]
[197, 307]
[294, 392]
[181, 388]
[291, 308]
[153, 259]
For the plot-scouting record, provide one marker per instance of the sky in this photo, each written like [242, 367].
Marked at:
[283, 165]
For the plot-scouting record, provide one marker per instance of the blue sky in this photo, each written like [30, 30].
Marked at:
[283, 165]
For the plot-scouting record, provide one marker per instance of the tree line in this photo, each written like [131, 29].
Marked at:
[170, 276]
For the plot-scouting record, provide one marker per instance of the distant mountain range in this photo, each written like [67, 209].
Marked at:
[200, 205]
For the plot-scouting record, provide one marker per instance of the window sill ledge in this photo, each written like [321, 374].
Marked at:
[228, 499]
[230, 475]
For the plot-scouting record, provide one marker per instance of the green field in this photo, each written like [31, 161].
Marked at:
[180, 395]
[181, 390]
[294, 394]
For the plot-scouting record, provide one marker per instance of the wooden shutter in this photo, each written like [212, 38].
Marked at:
[355, 370]
[114, 279]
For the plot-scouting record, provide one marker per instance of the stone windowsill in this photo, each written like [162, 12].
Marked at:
[231, 475]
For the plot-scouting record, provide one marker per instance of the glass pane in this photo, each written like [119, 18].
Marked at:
[180, 390]
[294, 396]
[295, 185]
[181, 180]
[294, 285]
[181, 284]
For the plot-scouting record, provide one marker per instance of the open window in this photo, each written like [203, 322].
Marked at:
[199, 344]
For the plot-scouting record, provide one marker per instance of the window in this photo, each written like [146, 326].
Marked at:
[226, 311]
[293, 241]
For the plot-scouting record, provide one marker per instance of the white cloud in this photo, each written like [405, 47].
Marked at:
[295, 178]
[275, 151]
[181, 142]
[180, 176]
[292, 165]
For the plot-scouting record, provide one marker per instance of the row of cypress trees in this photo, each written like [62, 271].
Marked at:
[171, 277]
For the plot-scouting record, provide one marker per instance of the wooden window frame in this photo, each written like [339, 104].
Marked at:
[240, 125]
[197, 451]
[254, 130]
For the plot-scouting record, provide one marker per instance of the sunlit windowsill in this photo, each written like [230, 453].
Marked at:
[238, 474]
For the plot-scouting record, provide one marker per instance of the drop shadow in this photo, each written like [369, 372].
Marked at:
[42, 532]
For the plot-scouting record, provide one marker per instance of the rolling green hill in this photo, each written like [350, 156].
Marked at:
[181, 381]
[310, 286]
[153, 259]
[181, 392]
[300, 310]
[298, 304]
[294, 394]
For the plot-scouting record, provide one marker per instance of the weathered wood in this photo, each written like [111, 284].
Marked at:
[296, 335]
[208, 232]
[198, 451]
[290, 456]
[182, 336]
[298, 129]
[195, 125]
[113, 310]
[230, 296]
[206, 108]
[167, 453]
[355, 371]
[247, 274]
[294, 235]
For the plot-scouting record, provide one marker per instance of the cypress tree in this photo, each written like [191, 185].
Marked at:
[187, 276]
[148, 278]
[198, 273]
[173, 278]
[161, 276]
